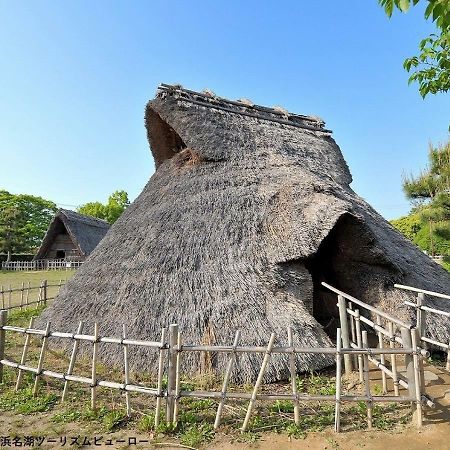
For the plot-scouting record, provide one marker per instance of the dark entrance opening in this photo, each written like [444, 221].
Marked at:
[60, 254]
[349, 260]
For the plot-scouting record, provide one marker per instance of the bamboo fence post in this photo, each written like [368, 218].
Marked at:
[39, 300]
[94, 362]
[393, 358]
[171, 381]
[9, 296]
[177, 381]
[421, 319]
[160, 378]
[3, 320]
[337, 413]
[382, 357]
[409, 362]
[353, 332]
[24, 355]
[21, 295]
[45, 292]
[41, 358]
[3, 296]
[27, 298]
[258, 381]
[292, 367]
[226, 380]
[367, 380]
[359, 344]
[344, 330]
[417, 376]
[126, 370]
[72, 361]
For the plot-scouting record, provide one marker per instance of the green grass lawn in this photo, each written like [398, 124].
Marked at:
[34, 278]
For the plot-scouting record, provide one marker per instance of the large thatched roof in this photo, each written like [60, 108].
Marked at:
[84, 231]
[248, 211]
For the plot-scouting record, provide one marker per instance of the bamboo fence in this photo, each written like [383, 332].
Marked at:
[422, 311]
[28, 296]
[352, 348]
[41, 264]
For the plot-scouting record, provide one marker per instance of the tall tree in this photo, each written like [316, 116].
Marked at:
[431, 68]
[24, 219]
[111, 211]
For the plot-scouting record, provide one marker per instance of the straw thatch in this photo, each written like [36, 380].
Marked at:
[248, 211]
[75, 233]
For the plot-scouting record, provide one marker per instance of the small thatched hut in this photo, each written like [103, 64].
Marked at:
[250, 208]
[71, 236]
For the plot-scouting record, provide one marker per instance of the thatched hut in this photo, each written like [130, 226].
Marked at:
[71, 236]
[249, 209]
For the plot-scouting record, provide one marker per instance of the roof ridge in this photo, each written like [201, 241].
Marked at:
[94, 221]
[243, 107]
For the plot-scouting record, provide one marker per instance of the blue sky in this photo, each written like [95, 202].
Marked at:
[75, 78]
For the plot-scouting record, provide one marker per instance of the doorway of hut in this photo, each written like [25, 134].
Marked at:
[349, 260]
[60, 254]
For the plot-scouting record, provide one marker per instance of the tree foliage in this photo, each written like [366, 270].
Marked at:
[409, 226]
[431, 68]
[430, 194]
[24, 219]
[111, 211]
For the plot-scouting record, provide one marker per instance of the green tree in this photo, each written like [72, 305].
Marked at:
[24, 219]
[431, 68]
[430, 194]
[116, 205]
[409, 226]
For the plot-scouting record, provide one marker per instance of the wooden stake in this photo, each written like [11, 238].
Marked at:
[417, 376]
[177, 381]
[160, 378]
[367, 380]
[359, 344]
[409, 362]
[258, 381]
[382, 357]
[9, 296]
[24, 355]
[72, 361]
[41, 358]
[21, 296]
[344, 330]
[126, 370]
[393, 358]
[171, 381]
[94, 362]
[337, 414]
[293, 370]
[3, 321]
[27, 298]
[231, 361]
[353, 332]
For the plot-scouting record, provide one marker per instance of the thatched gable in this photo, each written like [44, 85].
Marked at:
[74, 234]
[248, 211]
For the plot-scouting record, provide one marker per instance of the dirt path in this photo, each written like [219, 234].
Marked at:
[434, 435]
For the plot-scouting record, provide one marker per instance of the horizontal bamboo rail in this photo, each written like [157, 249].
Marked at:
[381, 313]
[422, 291]
[421, 313]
